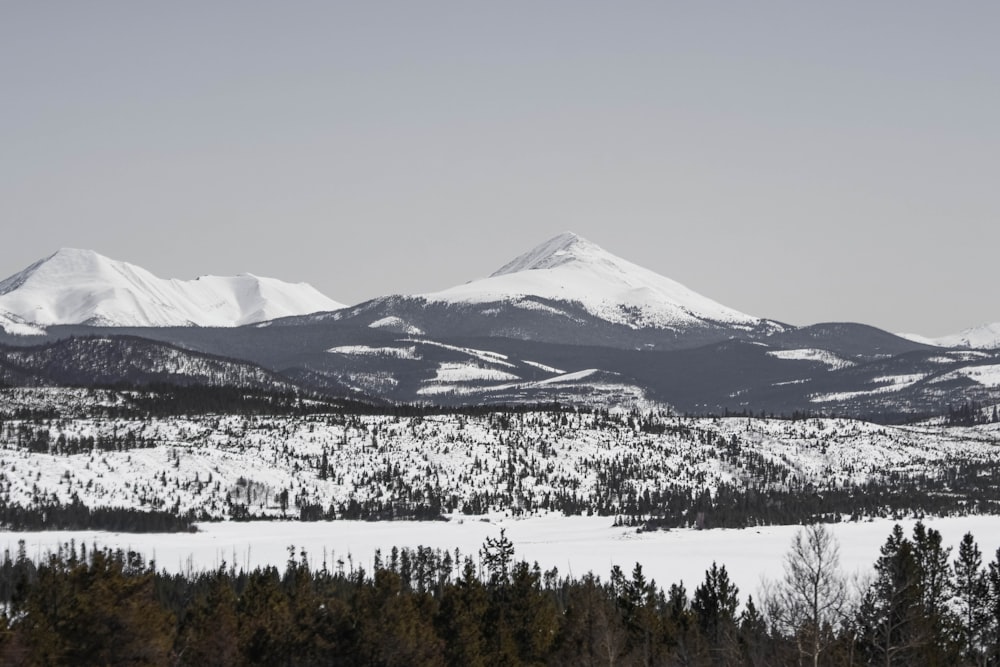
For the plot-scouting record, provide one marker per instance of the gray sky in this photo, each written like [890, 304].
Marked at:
[795, 161]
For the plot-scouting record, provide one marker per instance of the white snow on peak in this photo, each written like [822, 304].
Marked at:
[559, 250]
[570, 268]
[83, 287]
[983, 337]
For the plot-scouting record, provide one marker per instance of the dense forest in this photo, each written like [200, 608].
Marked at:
[77, 516]
[921, 606]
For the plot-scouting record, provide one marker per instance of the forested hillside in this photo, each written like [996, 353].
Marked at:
[654, 470]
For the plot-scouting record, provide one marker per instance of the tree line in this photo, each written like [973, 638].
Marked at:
[75, 515]
[425, 607]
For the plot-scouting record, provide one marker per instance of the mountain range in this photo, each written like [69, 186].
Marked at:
[565, 322]
[83, 287]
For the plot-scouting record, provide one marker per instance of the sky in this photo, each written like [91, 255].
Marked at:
[805, 162]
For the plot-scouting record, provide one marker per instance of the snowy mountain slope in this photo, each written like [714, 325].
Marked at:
[917, 338]
[983, 337]
[570, 268]
[83, 287]
[16, 326]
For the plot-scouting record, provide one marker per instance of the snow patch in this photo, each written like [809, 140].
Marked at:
[831, 360]
[568, 377]
[988, 376]
[364, 350]
[483, 355]
[396, 324]
[547, 369]
[888, 384]
[463, 372]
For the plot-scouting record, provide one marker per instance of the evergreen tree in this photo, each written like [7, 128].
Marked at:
[972, 590]
[593, 633]
[937, 592]
[101, 612]
[461, 617]
[905, 617]
[264, 619]
[532, 617]
[208, 634]
[714, 603]
[992, 630]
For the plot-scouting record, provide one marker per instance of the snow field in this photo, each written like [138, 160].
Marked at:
[574, 545]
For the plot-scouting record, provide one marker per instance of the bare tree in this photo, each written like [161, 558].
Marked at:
[808, 603]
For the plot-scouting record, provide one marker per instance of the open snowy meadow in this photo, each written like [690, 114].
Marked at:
[574, 545]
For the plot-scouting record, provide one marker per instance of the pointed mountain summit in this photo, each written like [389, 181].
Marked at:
[569, 268]
[76, 286]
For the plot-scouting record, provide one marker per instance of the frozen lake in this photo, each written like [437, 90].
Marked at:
[575, 545]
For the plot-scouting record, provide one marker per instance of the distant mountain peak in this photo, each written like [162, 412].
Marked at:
[558, 250]
[569, 268]
[77, 286]
[983, 337]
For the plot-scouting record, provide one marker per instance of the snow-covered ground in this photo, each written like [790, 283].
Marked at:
[204, 464]
[574, 545]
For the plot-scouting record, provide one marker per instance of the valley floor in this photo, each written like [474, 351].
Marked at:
[574, 545]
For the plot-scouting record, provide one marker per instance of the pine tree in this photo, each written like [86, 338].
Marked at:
[461, 617]
[593, 633]
[497, 556]
[972, 591]
[714, 603]
[533, 618]
[937, 591]
[101, 612]
[209, 631]
[264, 619]
[900, 618]
[992, 630]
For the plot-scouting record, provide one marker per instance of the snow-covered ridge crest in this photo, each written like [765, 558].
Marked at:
[983, 337]
[569, 268]
[562, 249]
[83, 287]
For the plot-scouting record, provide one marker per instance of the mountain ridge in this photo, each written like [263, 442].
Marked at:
[75, 286]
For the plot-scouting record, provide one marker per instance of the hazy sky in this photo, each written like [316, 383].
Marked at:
[800, 161]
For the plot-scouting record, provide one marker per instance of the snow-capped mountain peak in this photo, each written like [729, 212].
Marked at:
[570, 268]
[75, 286]
[984, 337]
[559, 250]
